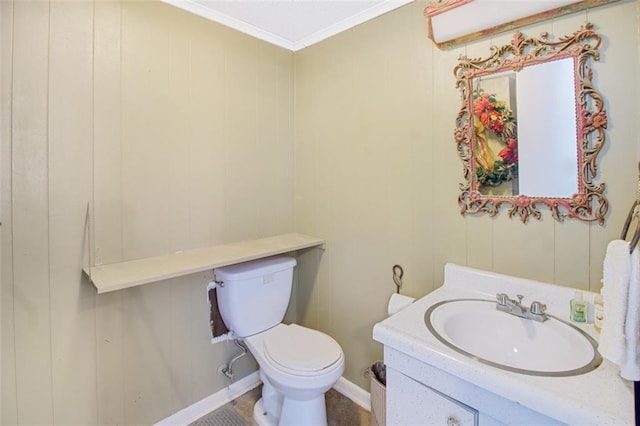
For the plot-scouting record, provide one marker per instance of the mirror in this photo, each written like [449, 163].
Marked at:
[530, 128]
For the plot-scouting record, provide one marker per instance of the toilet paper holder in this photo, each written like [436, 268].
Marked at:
[397, 301]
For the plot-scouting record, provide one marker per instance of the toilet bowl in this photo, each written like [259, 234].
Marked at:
[297, 366]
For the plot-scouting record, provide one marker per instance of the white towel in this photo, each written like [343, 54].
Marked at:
[615, 290]
[630, 367]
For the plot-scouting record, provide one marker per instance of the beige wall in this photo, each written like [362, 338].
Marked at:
[377, 173]
[178, 134]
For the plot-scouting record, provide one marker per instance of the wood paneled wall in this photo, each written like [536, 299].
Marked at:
[179, 133]
[380, 182]
[129, 129]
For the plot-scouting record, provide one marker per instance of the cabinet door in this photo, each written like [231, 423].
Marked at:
[412, 403]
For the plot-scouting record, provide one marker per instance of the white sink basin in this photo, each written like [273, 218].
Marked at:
[475, 328]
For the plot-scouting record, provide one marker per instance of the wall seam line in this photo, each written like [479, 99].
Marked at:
[48, 201]
[121, 299]
[11, 168]
[92, 208]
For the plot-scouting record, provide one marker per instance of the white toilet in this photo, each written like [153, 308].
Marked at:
[297, 364]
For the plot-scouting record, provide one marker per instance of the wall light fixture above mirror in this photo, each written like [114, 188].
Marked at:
[454, 22]
[530, 128]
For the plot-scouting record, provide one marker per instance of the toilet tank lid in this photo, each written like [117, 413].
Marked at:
[255, 268]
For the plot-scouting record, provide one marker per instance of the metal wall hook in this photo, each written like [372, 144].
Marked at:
[398, 272]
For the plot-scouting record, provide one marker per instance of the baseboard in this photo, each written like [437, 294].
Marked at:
[212, 402]
[354, 393]
[193, 412]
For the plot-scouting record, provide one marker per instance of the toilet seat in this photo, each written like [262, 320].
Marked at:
[301, 351]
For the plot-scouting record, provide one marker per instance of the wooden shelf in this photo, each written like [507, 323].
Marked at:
[117, 276]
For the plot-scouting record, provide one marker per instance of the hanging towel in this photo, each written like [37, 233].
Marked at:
[630, 367]
[615, 290]
[219, 330]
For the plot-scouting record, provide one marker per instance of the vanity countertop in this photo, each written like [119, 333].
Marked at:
[598, 397]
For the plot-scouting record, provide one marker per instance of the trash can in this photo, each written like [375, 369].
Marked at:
[378, 389]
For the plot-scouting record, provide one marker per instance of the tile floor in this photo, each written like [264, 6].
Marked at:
[341, 411]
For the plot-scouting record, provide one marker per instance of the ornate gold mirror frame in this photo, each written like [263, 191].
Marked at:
[588, 203]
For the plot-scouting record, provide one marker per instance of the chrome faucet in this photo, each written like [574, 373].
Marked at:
[536, 312]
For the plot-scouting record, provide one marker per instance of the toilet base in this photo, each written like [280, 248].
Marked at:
[294, 413]
[261, 416]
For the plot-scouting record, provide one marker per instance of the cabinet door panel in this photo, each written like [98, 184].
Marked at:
[410, 402]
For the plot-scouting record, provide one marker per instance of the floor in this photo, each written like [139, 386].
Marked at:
[341, 411]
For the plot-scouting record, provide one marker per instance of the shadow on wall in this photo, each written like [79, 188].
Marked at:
[302, 310]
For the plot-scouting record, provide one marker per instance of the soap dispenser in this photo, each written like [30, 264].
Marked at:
[578, 308]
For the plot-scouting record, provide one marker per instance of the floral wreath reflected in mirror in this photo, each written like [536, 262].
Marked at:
[530, 128]
[496, 147]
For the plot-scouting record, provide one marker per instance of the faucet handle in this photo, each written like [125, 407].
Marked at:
[520, 297]
[502, 299]
[538, 308]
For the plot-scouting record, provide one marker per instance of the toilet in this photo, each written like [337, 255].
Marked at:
[297, 364]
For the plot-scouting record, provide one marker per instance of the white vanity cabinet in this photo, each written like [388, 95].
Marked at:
[420, 394]
[430, 383]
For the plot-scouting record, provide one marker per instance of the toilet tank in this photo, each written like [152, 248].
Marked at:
[254, 296]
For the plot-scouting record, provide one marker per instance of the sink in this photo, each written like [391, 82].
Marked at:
[474, 328]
